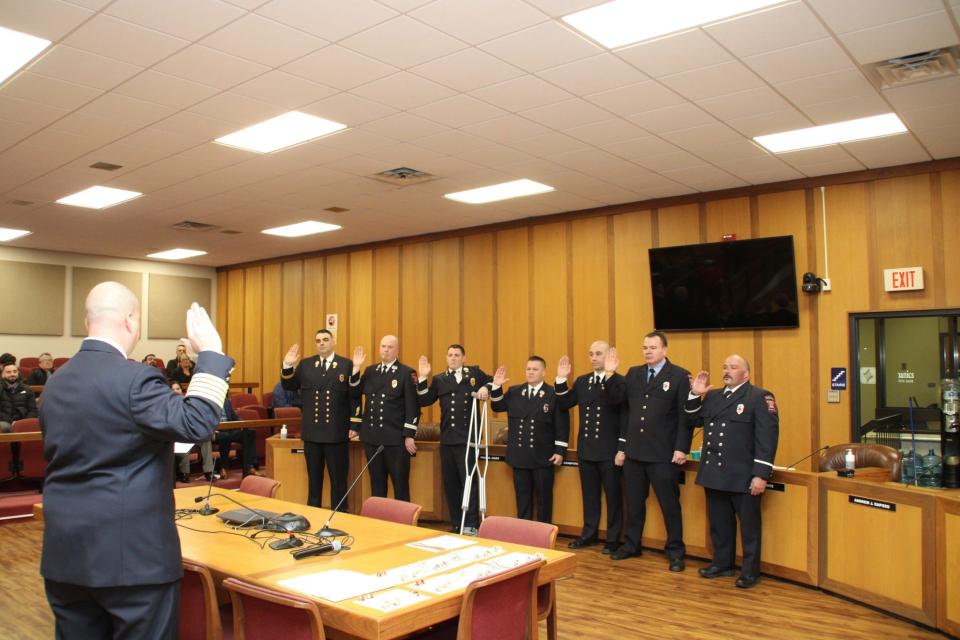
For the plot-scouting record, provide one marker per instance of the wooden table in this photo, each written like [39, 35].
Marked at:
[377, 545]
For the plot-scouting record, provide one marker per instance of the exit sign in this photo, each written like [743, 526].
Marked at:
[903, 279]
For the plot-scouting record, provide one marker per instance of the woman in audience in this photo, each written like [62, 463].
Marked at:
[184, 371]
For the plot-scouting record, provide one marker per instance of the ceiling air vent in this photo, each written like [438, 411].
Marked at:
[230, 232]
[403, 177]
[186, 225]
[917, 67]
[336, 209]
[20, 203]
[106, 166]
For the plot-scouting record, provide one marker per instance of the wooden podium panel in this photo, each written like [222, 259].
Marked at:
[877, 546]
[948, 564]
[790, 536]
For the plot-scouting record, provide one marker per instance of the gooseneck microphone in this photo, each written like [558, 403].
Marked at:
[206, 509]
[325, 531]
[791, 466]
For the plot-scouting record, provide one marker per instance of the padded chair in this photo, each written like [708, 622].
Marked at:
[287, 412]
[260, 613]
[199, 611]
[59, 362]
[267, 399]
[32, 463]
[243, 399]
[247, 413]
[501, 606]
[27, 365]
[865, 455]
[391, 510]
[532, 534]
[260, 486]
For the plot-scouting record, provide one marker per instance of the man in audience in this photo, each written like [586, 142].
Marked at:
[284, 398]
[174, 363]
[597, 445]
[388, 416]
[455, 388]
[17, 400]
[111, 554]
[206, 452]
[745, 418]
[7, 358]
[322, 382]
[42, 372]
[225, 437]
[537, 432]
[149, 360]
[655, 443]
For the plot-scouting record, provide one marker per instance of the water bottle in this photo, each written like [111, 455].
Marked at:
[283, 432]
[849, 460]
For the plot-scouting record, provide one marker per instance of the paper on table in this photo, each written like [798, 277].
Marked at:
[335, 585]
[459, 579]
[391, 600]
[183, 447]
[441, 543]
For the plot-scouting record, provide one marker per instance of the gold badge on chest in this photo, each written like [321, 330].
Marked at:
[666, 386]
[341, 378]
[393, 383]
[546, 408]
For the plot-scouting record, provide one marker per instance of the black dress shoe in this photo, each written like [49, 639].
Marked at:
[747, 583]
[714, 572]
[610, 548]
[676, 564]
[623, 554]
[580, 543]
[182, 477]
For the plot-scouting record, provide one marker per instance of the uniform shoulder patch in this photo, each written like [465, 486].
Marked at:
[771, 403]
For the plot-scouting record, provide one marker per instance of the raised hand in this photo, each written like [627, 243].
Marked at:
[359, 357]
[201, 333]
[564, 368]
[700, 384]
[500, 376]
[611, 362]
[423, 367]
[293, 354]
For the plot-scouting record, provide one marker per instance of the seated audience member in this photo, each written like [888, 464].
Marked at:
[183, 459]
[174, 363]
[149, 359]
[17, 401]
[246, 437]
[42, 372]
[7, 358]
[183, 373]
[284, 398]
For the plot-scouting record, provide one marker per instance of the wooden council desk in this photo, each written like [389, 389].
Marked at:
[377, 546]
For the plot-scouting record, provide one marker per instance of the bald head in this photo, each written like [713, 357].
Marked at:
[113, 312]
[736, 371]
[389, 349]
[598, 352]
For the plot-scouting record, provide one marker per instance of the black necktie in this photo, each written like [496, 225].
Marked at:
[325, 365]
[727, 394]
[650, 375]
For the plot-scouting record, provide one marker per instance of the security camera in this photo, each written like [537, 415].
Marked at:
[811, 283]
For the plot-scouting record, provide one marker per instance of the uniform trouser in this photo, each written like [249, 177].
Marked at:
[140, 612]
[454, 469]
[394, 461]
[336, 457]
[526, 483]
[665, 478]
[724, 507]
[248, 446]
[206, 458]
[593, 476]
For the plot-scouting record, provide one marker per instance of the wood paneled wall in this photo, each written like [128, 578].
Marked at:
[552, 286]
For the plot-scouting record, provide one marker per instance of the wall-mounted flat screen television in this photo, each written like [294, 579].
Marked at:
[742, 284]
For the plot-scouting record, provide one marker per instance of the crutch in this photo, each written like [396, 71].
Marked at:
[477, 436]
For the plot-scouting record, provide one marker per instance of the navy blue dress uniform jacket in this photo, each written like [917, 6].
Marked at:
[739, 437]
[456, 400]
[326, 397]
[537, 427]
[653, 420]
[390, 411]
[108, 427]
[599, 436]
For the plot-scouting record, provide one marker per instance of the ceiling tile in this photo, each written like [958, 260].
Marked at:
[606, 132]
[851, 15]
[467, 69]
[349, 109]
[760, 169]
[338, 67]
[27, 112]
[187, 19]
[800, 61]
[943, 115]
[525, 92]
[846, 83]
[263, 41]
[495, 156]
[560, 8]
[403, 42]
[555, 45]
[402, 154]
[764, 31]
[942, 142]
[914, 35]
[250, 5]
[682, 116]
[164, 89]
[82, 67]
[744, 103]
[709, 138]
[636, 98]
[925, 94]
[123, 41]
[404, 91]
[407, 127]
[284, 89]
[675, 54]
[211, 67]
[888, 151]
[705, 178]
[567, 114]
[356, 141]
[638, 148]
[12, 132]
[48, 19]
[239, 110]
[506, 129]
[452, 142]
[317, 18]
[477, 22]
[56, 93]
[200, 128]
[830, 167]
[669, 161]
[773, 122]
[459, 111]
[404, 5]
[593, 74]
[120, 108]
[708, 82]
[847, 109]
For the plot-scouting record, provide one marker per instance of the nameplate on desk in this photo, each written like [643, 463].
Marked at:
[570, 463]
[493, 458]
[876, 504]
[776, 486]
[296, 450]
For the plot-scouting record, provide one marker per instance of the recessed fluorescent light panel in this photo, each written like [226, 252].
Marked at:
[99, 197]
[307, 228]
[861, 129]
[284, 131]
[17, 49]
[502, 191]
[622, 22]
[6, 235]
[177, 254]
